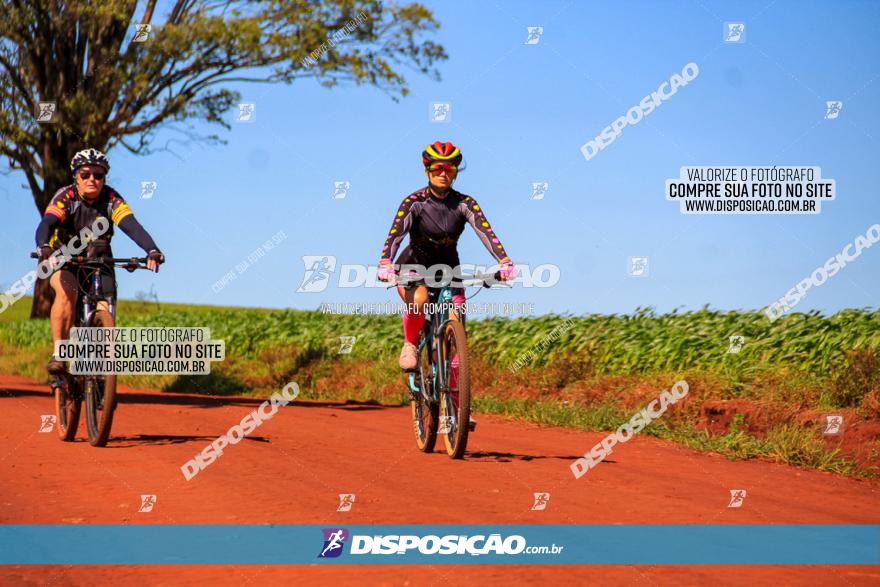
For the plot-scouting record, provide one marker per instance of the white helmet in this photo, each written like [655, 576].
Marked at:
[89, 157]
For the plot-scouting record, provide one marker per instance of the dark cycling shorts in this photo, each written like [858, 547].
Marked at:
[83, 277]
[412, 255]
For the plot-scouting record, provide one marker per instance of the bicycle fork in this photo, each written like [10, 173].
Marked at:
[59, 382]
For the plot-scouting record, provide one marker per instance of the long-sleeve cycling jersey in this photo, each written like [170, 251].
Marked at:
[434, 226]
[68, 213]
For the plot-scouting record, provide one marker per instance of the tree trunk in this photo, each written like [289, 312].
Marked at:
[43, 298]
[56, 177]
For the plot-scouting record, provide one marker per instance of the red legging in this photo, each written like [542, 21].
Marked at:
[414, 321]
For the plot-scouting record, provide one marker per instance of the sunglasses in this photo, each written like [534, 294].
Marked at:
[440, 168]
[88, 175]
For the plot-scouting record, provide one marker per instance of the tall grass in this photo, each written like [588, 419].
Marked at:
[645, 341]
[642, 342]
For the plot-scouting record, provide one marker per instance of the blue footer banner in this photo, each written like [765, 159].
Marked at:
[158, 544]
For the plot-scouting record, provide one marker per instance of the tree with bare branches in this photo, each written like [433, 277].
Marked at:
[114, 81]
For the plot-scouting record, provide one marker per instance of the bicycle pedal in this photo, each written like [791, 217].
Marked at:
[472, 425]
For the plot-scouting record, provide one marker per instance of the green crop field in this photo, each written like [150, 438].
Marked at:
[566, 370]
[615, 344]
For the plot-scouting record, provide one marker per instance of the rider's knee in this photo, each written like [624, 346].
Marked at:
[420, 296]
[65, 297]
[63, 305]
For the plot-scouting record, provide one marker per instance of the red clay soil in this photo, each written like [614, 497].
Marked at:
[292, 468]
[858, 439]
[716, 416]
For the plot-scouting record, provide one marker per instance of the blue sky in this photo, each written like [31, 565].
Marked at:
[520, 113]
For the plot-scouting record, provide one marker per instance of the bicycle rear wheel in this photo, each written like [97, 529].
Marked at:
[424, 410]
[455, 397]
[100, 395]
[68, 403]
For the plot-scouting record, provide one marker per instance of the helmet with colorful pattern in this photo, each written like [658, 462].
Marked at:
[441, 153]
[89, 157]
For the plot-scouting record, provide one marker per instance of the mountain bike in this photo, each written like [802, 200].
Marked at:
[97, 392]
[440, 386]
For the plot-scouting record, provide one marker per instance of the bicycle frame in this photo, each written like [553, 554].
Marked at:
[87, 305]
[435, 322]
[89, 300]
[434, 325]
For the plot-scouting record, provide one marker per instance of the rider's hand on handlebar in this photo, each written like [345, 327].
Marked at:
[386, 271]
[154, 259]
[507, 271]
[45, 254]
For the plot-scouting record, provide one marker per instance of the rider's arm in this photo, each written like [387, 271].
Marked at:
[124, 218]
[45, 228]
[55, 214]
[133, 229]
[477, 219]
[403, 219]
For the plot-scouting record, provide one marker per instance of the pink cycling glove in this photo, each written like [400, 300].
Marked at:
[508, 271]
[386, 271]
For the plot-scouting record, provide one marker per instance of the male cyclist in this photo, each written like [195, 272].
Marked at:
[434, 217]
[73, 208]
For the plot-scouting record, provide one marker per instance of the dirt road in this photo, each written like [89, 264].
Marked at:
[292, 469]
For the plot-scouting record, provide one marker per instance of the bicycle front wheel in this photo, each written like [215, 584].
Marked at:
[455, 395]
[424, 409]
[100, 395]
[68, 403]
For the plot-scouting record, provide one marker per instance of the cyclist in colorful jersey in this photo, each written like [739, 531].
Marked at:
[72, 209]
[434, 217]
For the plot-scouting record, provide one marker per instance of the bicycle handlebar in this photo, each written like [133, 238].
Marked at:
[130, 264]
[486, 279]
